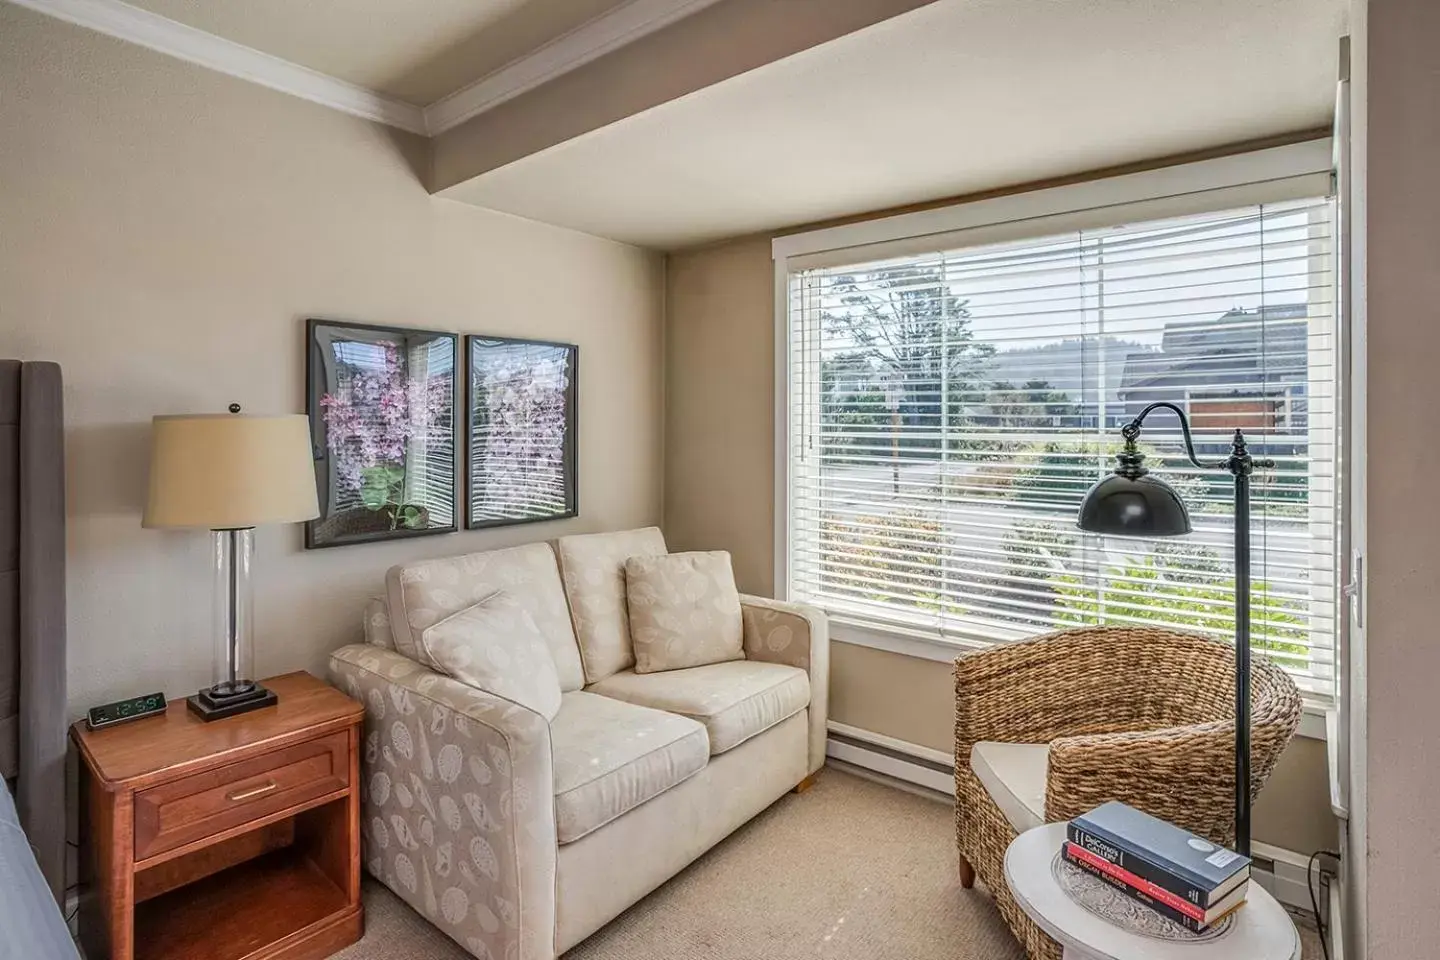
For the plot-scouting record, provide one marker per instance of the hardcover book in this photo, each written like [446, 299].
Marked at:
[1166, 904]
[1160, 852]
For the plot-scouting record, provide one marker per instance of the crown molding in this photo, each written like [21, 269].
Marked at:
[163, 35]
[608, 32]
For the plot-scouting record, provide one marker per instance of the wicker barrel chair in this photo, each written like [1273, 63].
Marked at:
[1051, 727]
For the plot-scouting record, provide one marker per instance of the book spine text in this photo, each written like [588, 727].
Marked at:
[1139, 883]
[1137, 865]
[1164, 909]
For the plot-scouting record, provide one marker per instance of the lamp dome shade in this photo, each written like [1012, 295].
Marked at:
[1143, 506]
[228, 471]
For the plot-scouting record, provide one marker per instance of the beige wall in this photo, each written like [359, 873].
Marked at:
[165, 230]
[719, 438]
[719, 494]
[1401, 755]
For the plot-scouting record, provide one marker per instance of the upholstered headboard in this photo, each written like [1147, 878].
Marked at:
[32, 605]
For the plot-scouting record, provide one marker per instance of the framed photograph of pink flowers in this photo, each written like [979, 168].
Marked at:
[383, 431]
[521, 433]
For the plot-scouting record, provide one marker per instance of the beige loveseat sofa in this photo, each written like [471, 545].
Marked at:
[520, 837]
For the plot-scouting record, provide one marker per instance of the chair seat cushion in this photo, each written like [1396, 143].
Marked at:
[1014, 776]
[610, 757]
[734, 700]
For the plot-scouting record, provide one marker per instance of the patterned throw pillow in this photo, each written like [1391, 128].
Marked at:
[684, 610]
[495, 646]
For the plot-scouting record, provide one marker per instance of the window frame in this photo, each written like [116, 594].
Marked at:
[1291, 172]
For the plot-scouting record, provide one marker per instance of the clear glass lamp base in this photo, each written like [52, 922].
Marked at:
[230, 693]
[234, 608]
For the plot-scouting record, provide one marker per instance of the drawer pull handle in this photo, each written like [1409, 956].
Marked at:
[253, 792]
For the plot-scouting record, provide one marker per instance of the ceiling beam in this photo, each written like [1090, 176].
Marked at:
[714, 42]
[608, 32]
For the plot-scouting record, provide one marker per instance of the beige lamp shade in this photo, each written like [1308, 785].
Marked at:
[227, 471]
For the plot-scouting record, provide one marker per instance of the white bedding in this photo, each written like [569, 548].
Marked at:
[31, 927]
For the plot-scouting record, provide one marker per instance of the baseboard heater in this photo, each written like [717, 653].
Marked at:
[1280, 871]
[892, 761]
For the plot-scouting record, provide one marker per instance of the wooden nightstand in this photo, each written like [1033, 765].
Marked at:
[219, 841]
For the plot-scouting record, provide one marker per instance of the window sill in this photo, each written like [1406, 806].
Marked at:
[925, 646]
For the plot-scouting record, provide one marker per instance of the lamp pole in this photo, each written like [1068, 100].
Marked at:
[1240, 465]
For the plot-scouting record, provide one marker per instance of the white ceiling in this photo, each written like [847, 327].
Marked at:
[412, 51]
[958, 96]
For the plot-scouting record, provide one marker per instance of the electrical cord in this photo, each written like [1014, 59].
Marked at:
[1320, 924]
[69, 919]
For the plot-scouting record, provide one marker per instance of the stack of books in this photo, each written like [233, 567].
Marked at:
[1175, 873]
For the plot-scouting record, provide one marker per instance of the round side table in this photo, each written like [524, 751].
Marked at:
[1093, 921]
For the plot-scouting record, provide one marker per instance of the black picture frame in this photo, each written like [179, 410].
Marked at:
[475, 460]
[330, 530]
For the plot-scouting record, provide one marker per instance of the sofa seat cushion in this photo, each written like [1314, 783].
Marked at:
[610, 757]
[422, 593]
[734, 700]
[1014, 776]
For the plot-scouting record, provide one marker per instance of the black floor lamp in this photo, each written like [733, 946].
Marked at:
[1132, 502]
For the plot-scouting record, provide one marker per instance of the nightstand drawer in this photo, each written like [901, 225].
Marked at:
[198, 806]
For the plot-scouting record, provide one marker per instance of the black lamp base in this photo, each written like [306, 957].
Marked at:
[217, 702]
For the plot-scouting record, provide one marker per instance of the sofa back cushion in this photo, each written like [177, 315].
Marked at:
[424, 592]
[593, 567]
[684, 610]
[377, 624]
[495, 646]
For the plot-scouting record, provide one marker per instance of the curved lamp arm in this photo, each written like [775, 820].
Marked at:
[1239, 460]
[1131, 432]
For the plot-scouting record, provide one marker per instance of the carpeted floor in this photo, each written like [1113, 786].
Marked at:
[849, 869]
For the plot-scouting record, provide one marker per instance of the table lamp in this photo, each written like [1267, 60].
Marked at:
[1133, 502]
[230, 473]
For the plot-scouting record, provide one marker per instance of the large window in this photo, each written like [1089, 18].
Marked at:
[949, 409]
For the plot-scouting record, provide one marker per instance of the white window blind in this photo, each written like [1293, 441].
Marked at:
[949, 410]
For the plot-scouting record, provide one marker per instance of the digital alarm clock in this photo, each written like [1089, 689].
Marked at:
[109, 714]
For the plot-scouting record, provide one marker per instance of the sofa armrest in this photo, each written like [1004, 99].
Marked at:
[796, 635]
[457, 793]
